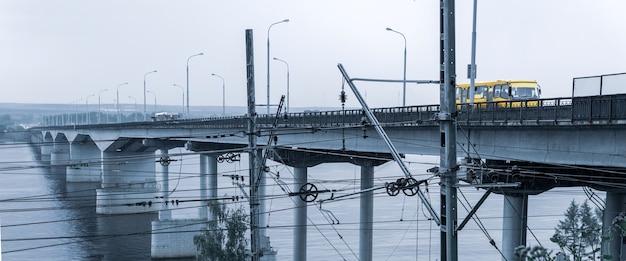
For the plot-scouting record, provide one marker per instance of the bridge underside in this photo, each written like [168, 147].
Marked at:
[534, 178]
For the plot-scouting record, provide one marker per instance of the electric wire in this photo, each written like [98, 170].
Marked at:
[480, 224]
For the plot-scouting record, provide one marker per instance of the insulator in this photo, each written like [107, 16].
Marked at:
[343, 97]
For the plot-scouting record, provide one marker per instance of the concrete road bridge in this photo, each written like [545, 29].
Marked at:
[513, 148]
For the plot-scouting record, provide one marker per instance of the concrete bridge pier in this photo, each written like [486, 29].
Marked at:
[128, 183]
[208, 183]
[60, 154]
[46, 148]
[515, 215]
[615, 243]
[175, 237]
[176, 240]
[85, 161]
[366, 229]
[299, 216]
[301, 161]
[165, 213]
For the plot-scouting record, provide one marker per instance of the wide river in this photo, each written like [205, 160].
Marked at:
[44, 218]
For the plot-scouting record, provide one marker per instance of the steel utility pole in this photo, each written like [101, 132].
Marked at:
[446, 117]
[255, 241]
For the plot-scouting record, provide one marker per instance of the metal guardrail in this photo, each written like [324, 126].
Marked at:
[606, 109]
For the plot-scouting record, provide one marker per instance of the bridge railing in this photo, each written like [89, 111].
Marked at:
[601, 109]
[578, 110]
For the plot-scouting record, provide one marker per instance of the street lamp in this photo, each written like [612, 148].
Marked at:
[135, 109]
[119, 117]
[404, 79]
[100, 111]
[87, 106]
[145, 116]
[188, 80]
[76, 111]
[268, 62]
[154, 101]
[286, 107]
[223, 94]
[182, 91]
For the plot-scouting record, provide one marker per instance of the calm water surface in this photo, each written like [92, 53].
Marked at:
[45, 218]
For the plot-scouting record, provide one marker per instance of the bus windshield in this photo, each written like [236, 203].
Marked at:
[525, 93]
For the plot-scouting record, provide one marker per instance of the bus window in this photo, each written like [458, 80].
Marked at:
[505, 91]
[527, 93]
[502, 91]
[461, 95]
[481, 91]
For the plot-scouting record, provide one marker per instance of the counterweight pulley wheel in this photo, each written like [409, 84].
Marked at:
[410, 187]
[308, 192]
[392, 189]
[165, 161]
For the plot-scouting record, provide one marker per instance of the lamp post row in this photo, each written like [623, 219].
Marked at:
[187, 85]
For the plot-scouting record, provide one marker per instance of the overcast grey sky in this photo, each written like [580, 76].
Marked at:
[59, 51]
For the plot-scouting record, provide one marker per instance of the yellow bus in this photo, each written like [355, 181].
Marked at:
[501, 90]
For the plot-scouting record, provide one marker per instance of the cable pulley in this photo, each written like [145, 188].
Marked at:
[409, 187]
[229, 157]
[308, 192]
[165, 160]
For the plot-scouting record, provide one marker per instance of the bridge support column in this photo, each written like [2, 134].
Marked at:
[614, 206]
[212, 183]
[128, 183]
[514, 225]
[85, 162]
[299, 214]
[60, 153]
[208, 182]
[165, 213]
[46, 148]
[366, 236]
[175, 236]
[300, 161]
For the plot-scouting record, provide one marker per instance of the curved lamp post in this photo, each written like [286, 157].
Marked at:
[188, 81]
[135, 109]
[100, 111]
[182, 90]
[117, 95]
[145, 115]
[87, 107]
[286, 107]
[76, 111]
[268, 62]
[223, 94]
[404, 79]
[155, 103]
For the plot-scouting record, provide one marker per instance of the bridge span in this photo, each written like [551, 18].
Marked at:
[584, 132]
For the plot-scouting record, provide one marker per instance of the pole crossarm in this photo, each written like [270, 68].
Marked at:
[374, 121]
[389, 80]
